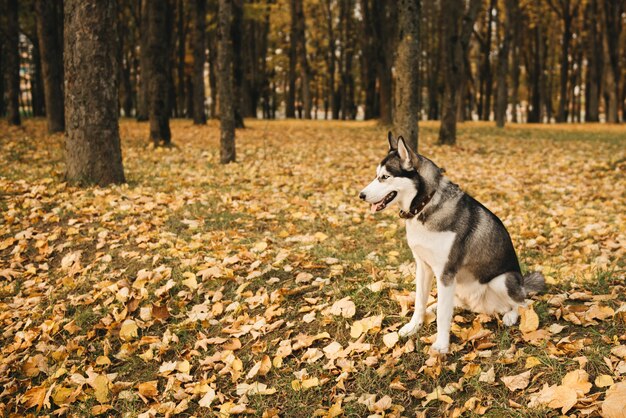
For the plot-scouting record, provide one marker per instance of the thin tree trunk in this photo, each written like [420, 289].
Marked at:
[386, 12]
[199, 46]
[213, 65]
[594, 63]
[515, 58]
[93, 151]
[486, 76]
[330, 61]
[455, 42]
[503, 64]
[406, 65]
[290, 110]
[12, 65]
[225, 82]
[368, 59]
[297, 13]
[181, 109]
[143, 102]
[36, 87]
[611, 15]
[158, 83]
[3, 108]
[238, 61]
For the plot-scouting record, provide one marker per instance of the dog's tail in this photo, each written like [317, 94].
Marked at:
[534, 282]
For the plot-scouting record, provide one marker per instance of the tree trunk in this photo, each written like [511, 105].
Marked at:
[3, 108]
[213, 66]
[386, 12]
[170, 63]
[290, 110]
[12, 63]
[238, 61]
[369, 43]
[181, 108]
[297, 13]
[199, 46]
[330, 61]
[158, 83]
[143, 102]
[486, 77]
[594, 55]
[503, 63]
[566, 10]
[36, 81]
[93, 151]
[455, 42]
[611, 18]
[406, 65]
[225, 82]
[515, 58]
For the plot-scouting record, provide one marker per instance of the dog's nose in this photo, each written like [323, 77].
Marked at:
[362, 196]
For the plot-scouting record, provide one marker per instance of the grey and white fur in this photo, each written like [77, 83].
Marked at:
[453, 238]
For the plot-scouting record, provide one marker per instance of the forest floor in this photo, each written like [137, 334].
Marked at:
[266, 288]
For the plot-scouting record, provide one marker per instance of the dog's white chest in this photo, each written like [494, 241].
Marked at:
[432, 247]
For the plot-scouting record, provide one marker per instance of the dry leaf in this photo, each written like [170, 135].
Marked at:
[603, 381]
[577, 380]
[391, 339]
[614, 405]
[529, 320]
[517, 382]
[343, 307]
[129, 330]
[148, 389]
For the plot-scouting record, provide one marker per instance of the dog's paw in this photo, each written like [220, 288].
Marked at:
[409, 329]
[440, 347]
[510, 318]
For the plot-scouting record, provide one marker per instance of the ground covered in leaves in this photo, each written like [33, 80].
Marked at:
[266, 288]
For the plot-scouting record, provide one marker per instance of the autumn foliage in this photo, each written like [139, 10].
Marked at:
[266, 288]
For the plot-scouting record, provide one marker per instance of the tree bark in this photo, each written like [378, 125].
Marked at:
[93, 151]
[143, 101]
[238, 61]
[455, 42]
[225, 82]
[181, 102]
[503, 63]
[611, 18]
[297, 13]
[369, 43]
[594, 63]
[407, 72]
[158, 84]
[212, 58]
[199, 47]
[486, 76]
[12, 63]
[36, 81]
[330, 61]
[567, 11]
[386, 12]
[290, 110]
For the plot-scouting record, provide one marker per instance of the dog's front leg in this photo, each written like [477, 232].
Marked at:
[423, 283]
[445, 309]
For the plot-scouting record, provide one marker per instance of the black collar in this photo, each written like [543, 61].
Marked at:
[416, 208]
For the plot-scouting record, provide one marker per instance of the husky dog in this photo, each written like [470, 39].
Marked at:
[454, 238]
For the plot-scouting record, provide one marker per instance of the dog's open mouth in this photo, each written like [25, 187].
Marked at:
[378, 206]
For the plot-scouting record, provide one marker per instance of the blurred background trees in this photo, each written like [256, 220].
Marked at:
[524, 61]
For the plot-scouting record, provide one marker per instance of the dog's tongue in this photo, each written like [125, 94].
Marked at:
[374, 207]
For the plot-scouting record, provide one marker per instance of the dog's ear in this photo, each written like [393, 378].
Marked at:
[408, 158]
[393, 142]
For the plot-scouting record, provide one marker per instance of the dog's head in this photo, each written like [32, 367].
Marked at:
[397, 178]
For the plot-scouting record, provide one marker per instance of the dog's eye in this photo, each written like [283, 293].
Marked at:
[384, 177]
